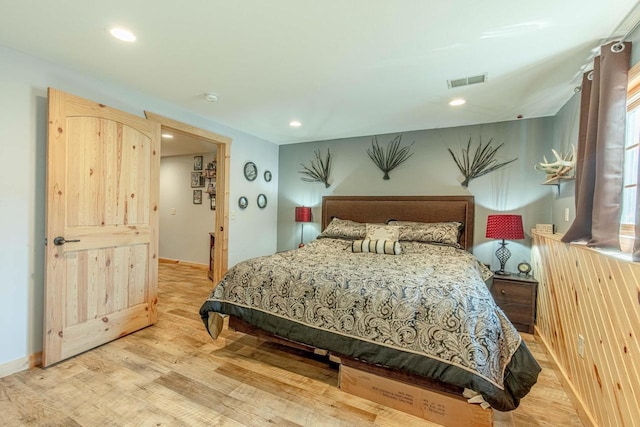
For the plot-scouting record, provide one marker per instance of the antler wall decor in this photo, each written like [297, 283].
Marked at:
[318, 170]
[482, 163]
[392, 158]
[563, 167]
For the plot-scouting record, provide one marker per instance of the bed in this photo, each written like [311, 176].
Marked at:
[416, 305]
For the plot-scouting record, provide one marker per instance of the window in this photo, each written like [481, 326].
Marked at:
[631, 156]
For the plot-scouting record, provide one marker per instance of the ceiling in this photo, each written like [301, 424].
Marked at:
[179, 144]
[342, 68]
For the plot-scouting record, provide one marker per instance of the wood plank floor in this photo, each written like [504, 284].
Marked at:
[174, 374]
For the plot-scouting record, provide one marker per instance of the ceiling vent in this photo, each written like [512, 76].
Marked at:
[466, 81]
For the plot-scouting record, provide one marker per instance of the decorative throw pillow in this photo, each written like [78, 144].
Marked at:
[382, 232]
[388, 247]
[344, 229]
[446, 233]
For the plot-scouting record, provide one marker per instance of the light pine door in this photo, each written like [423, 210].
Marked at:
[102, 225]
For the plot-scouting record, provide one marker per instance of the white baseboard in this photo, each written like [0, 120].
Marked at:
[22, 364]
[18, 365]
[199, 266]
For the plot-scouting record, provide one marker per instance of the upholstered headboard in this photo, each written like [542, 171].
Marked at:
[404, 208]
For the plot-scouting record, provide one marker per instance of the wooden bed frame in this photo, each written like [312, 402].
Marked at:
[379, 209]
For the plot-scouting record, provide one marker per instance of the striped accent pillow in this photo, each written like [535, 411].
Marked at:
[388, 247]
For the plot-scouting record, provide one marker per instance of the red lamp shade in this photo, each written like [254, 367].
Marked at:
[505, 227]
[303, 214]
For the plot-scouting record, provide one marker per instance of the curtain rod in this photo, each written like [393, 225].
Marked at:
[620, 45]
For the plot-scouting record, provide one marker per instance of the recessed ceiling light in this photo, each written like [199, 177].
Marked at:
[167, 135]
[122, 34]
[295, 124]
[457, 101]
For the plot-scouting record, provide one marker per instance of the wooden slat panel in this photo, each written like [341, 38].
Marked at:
[92, 333]
[98, 295]
[137, 275]
[74, 304]
[82, 172]
[89, 259]
[131, 204]
[121, 262]
[585, 292]
[109, 172]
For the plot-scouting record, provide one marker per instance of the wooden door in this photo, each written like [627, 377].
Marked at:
[102, 225]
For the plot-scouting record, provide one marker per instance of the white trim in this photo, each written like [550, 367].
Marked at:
[14, 367]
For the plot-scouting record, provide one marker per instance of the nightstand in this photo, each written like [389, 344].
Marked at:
[516, 296]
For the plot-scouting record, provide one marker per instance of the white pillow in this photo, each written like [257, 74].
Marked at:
[387, 247]
[382, 232]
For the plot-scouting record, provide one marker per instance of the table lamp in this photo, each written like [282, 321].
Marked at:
[303, 214]
[503, 227]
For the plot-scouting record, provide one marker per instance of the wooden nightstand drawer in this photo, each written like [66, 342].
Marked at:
[512, 292]
[516, 296]
[517, 313]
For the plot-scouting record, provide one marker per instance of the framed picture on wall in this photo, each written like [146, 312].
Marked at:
[197, 163]
[212, 201]
[197, 180]
[197, 197]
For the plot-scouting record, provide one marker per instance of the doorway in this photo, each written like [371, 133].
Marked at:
[187, 197]
[222, 148]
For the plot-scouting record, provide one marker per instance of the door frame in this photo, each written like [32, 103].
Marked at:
[223, 160]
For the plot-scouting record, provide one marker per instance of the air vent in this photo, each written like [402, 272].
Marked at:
[466, 81]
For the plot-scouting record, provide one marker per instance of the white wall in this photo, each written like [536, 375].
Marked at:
[430, 171]
[23, 85]
[184, 235]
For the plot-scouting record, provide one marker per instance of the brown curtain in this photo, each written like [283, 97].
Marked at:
[600, 162]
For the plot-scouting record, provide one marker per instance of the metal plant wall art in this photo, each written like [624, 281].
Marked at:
[392, 158]
[563, 167]
[481, 163]
[318, 170]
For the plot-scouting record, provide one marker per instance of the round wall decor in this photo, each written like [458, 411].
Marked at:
[243, 203]
[262, 201]
[267, 176]
[250, 171]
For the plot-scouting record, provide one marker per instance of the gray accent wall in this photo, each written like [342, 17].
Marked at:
[565, 133]
[515, 188]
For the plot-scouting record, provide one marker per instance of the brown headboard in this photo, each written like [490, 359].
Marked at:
[404, 208]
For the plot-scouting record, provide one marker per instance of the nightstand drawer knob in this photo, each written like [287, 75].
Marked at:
[503, 292]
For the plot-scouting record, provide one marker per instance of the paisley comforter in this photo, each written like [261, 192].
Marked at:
[427, 311]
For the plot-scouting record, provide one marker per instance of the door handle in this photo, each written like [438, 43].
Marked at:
[59, 241]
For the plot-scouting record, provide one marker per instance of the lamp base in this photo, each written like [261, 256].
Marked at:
[301, 245]
[503, 254]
